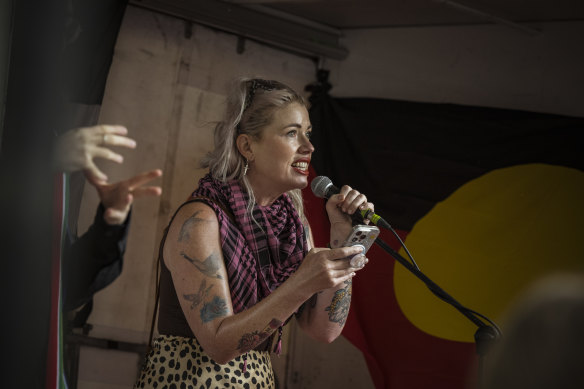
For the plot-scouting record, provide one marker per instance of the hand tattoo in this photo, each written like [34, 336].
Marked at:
[188, 225]
[198, 297]
[209, 266]
[339, 308]
[216, 308]
[253, 339]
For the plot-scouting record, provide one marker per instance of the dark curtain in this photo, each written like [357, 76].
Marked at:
[56, 57]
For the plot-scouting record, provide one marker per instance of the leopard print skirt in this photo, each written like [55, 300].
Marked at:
[175, 362]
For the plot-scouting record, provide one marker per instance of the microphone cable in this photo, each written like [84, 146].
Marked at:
[473, 315]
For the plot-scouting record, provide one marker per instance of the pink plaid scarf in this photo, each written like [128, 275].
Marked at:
[258, 256]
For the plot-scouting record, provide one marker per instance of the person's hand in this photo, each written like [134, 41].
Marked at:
[340, 207]
[326, 268]
[76, 149]
[118, 197]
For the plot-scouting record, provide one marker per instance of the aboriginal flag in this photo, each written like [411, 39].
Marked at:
[487, 200]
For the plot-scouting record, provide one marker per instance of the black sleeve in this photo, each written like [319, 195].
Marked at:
[92, 261]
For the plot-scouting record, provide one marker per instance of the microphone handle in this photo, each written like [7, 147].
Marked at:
[359, 217]
[375, 218]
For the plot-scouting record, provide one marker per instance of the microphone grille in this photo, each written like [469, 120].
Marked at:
[319, 185]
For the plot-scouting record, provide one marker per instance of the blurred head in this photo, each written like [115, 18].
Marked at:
[543, 338]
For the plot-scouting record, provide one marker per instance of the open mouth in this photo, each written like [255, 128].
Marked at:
[301, 167]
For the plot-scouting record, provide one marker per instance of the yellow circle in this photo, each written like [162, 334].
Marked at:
[489, 240]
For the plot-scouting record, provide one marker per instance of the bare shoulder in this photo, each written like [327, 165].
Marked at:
[195, 229]
[194, 215]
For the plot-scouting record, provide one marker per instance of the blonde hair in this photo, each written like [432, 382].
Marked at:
[249, 110]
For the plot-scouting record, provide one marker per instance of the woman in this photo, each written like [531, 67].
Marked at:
[238, 259]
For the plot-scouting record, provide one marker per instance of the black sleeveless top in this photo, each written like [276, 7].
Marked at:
[171, 319]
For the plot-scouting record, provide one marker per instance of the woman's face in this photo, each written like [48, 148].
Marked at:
[282, 153]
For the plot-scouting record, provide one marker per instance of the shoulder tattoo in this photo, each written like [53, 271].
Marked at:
[209, 266]
[188, 225]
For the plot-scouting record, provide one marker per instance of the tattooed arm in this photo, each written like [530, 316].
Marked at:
[324, 315]
[193, 255]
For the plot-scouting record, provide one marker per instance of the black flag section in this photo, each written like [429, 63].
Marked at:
[408, 156]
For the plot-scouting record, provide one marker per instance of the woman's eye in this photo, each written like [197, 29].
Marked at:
[291, 133]
[309, 134]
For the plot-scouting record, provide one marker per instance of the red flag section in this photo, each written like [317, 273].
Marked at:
[397, 353]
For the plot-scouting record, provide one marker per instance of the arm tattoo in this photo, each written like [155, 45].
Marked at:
[188, 225]
[209, 266]
[216, 308]
[339, 308]
[253, 339]
[196, 298]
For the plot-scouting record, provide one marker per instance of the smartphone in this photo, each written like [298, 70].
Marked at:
[362, 235]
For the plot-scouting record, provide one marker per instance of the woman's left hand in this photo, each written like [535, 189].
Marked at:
[340, 207]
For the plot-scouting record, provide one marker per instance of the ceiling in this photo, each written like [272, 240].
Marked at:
[350, 14]
[315, 27]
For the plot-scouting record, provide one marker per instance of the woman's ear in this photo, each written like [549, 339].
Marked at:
[244, 145]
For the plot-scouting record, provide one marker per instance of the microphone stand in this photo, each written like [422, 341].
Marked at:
[485, 336]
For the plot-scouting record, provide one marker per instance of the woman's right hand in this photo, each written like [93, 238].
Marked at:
[326, 268]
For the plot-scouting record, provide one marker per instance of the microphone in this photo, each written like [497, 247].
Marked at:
[323, 187]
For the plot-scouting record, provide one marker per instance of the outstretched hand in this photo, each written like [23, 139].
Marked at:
[76, 149]
[118, 197]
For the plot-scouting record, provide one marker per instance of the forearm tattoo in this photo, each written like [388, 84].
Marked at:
[184, 233]
[339, 308]
[214, 309]
[198, 297]
[253, 339]
[209, 266]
